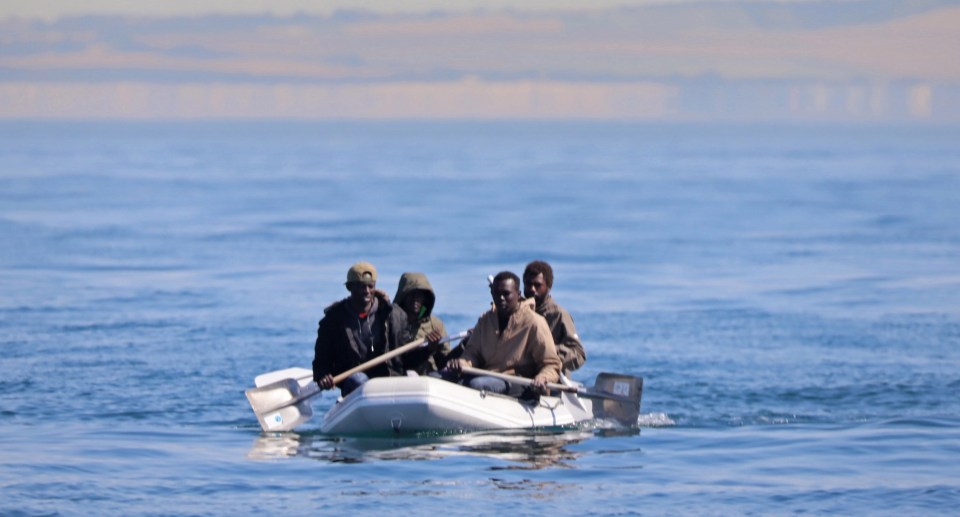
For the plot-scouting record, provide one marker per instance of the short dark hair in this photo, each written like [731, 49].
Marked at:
[503, 275]
[538, 267]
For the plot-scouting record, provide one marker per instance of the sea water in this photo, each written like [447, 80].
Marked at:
[790, 295]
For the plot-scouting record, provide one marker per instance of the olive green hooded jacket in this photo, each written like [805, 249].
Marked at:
[419, 325]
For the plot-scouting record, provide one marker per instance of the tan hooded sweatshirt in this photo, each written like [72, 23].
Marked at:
[525, 348]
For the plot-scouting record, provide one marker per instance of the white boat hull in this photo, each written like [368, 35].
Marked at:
[427, 404]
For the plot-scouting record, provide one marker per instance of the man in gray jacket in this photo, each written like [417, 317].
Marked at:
[537, 282]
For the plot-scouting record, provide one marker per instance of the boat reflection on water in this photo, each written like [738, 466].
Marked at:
[525, 450]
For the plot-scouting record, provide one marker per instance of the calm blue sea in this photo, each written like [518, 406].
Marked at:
[790, 294]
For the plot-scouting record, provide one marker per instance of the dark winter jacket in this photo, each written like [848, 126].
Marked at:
[337, 349]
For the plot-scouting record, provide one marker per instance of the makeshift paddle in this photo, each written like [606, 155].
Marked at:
[283, 405]
[620, 394]
[300, 374]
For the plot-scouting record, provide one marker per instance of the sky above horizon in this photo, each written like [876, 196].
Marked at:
[674, 60]
[54, 9]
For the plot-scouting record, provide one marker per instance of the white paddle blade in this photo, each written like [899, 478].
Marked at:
[272, 396]
[580, 408]
[302, 375]
[628, 386]
[281, 406]
[286, 418]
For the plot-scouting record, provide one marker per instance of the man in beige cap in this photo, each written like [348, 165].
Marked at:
[356, 329]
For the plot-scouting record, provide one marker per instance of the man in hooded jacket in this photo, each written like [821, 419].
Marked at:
[415, 298]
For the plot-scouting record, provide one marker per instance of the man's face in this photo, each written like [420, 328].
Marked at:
[413, 303]
[361, 294]
[506, 295]
[535, 287]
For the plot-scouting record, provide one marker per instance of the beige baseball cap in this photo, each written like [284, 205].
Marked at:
[362, 272]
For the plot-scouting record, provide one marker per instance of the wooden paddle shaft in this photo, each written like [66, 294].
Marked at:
[582, 392]
[393, 353]
[523, 381]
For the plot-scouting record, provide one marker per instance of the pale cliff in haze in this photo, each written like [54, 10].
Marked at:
[814, 61]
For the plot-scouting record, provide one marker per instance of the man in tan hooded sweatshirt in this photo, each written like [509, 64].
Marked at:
[510, 338]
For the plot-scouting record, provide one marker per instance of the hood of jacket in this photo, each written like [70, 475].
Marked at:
[410, 282]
